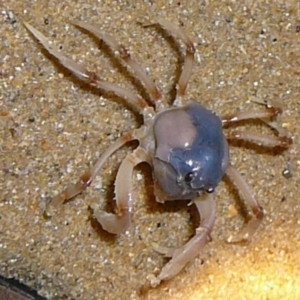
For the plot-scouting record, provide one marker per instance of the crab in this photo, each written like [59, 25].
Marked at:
[184, 144]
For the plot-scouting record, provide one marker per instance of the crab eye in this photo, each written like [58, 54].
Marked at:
[210, 190]
[189, 177]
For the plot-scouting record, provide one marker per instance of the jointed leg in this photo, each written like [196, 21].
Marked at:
[189, 59]
[124, 55]
[258, 213]
[86, 178]
[80, 71]
[260, 139]
[181, 256]
[268, 112]
[266, 115]
[119, 222]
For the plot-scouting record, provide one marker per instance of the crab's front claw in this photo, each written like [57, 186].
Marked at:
[115, 224]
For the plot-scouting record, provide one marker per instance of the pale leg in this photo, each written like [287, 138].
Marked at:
[249, 230]
[266, 115]
[125, 56]
[259, 139]
[80, 71]
[86, 179]
[189, 58]
[120, 221]
[268, 112]
[181, 256]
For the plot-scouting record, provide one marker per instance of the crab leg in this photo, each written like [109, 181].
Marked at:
[80, 71]
[86, 178]
[125, 56]
[268, 112]
[249, 230]
[260, 139]
[181, 256]
[189, 58]
[119, 222]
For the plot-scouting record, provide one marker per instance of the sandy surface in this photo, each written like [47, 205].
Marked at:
[53, 127]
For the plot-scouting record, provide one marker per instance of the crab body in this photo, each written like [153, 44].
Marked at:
[191, 153]
[185, 145]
